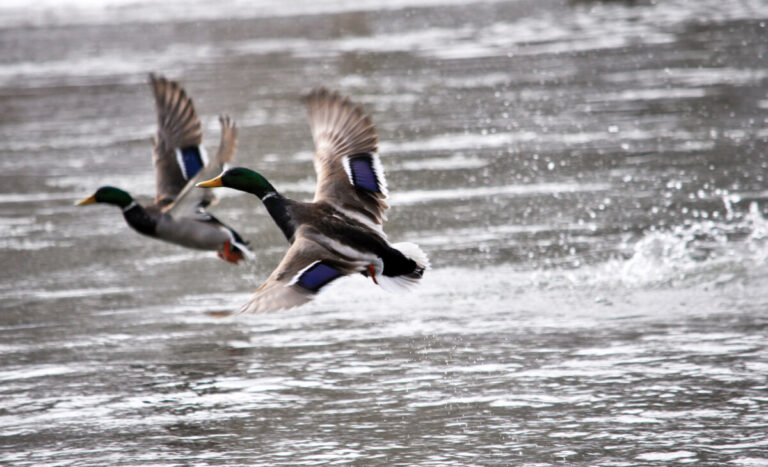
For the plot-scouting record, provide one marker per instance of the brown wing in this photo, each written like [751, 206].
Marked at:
[178, 128]
[191, 197]
[228, 141]
[306, 268]
[349, 173]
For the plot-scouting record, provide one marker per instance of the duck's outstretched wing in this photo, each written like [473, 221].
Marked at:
[349, 172]
[305, 270]
[178, 155]
[190, 199]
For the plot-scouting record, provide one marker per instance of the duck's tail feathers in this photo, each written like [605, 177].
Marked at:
[241, 245]
[247, 253]
[406, 282]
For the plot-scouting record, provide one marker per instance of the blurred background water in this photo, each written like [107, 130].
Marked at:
[587, 177]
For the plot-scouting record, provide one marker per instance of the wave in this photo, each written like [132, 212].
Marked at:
[705, 252]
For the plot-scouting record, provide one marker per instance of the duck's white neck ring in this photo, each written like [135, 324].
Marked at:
[130, 206]
[269, 195]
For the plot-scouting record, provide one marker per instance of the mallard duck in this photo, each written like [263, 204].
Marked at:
[178, 213]
[340, 232]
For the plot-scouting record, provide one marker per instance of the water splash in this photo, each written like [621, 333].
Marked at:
[705, 251]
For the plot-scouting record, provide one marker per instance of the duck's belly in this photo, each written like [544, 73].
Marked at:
[191, 233]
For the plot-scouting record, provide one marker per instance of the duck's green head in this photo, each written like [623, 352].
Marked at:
[241, 179]
[109, 195]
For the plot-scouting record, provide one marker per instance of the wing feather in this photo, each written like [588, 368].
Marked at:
[178, 127]
[341, 131]
[283, 289]
[191, 198]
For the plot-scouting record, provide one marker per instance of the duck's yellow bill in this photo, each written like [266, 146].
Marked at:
[212, 183]
[89, 200]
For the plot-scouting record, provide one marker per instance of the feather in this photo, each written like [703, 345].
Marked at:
[305, 269]
[191, 198]
[349, 172]
[406, 282]
[178, 127]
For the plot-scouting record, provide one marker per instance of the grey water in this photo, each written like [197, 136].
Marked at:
[588, 178]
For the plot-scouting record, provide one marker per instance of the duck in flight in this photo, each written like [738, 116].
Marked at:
[340, 232]
[178, 214]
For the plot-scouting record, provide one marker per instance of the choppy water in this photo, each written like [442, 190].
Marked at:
[587, 177]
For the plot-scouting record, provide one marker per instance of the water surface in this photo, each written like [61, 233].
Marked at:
[588, 179]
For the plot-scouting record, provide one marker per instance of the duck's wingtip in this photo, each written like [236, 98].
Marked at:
[227, 121]
[316, 93]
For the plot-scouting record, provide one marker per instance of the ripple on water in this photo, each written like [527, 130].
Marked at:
[462, 193]
[654, 352]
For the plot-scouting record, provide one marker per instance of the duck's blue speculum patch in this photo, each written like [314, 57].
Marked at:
[190, 161]
[363, 173]
[317, 276]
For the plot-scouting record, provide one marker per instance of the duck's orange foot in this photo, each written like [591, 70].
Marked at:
[229, 253]
[372, 272]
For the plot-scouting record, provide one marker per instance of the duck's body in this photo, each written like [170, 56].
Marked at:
[202, 232]
[339, 233]
[178, 213]
[326, 225]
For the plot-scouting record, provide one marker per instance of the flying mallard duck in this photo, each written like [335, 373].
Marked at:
[178, 214]
[340, 232]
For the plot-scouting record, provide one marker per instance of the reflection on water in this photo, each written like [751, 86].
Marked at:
[587, 178]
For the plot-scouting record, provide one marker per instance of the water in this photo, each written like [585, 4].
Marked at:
[588, 179]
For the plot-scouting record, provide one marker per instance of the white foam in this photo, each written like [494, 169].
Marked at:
[43, 294]
[666, 456]
[39, 371]
[48, 12]
[648, 94]
[453, 142]
[36, 197]
[461, 193]
[696, 77]
[458, 161]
